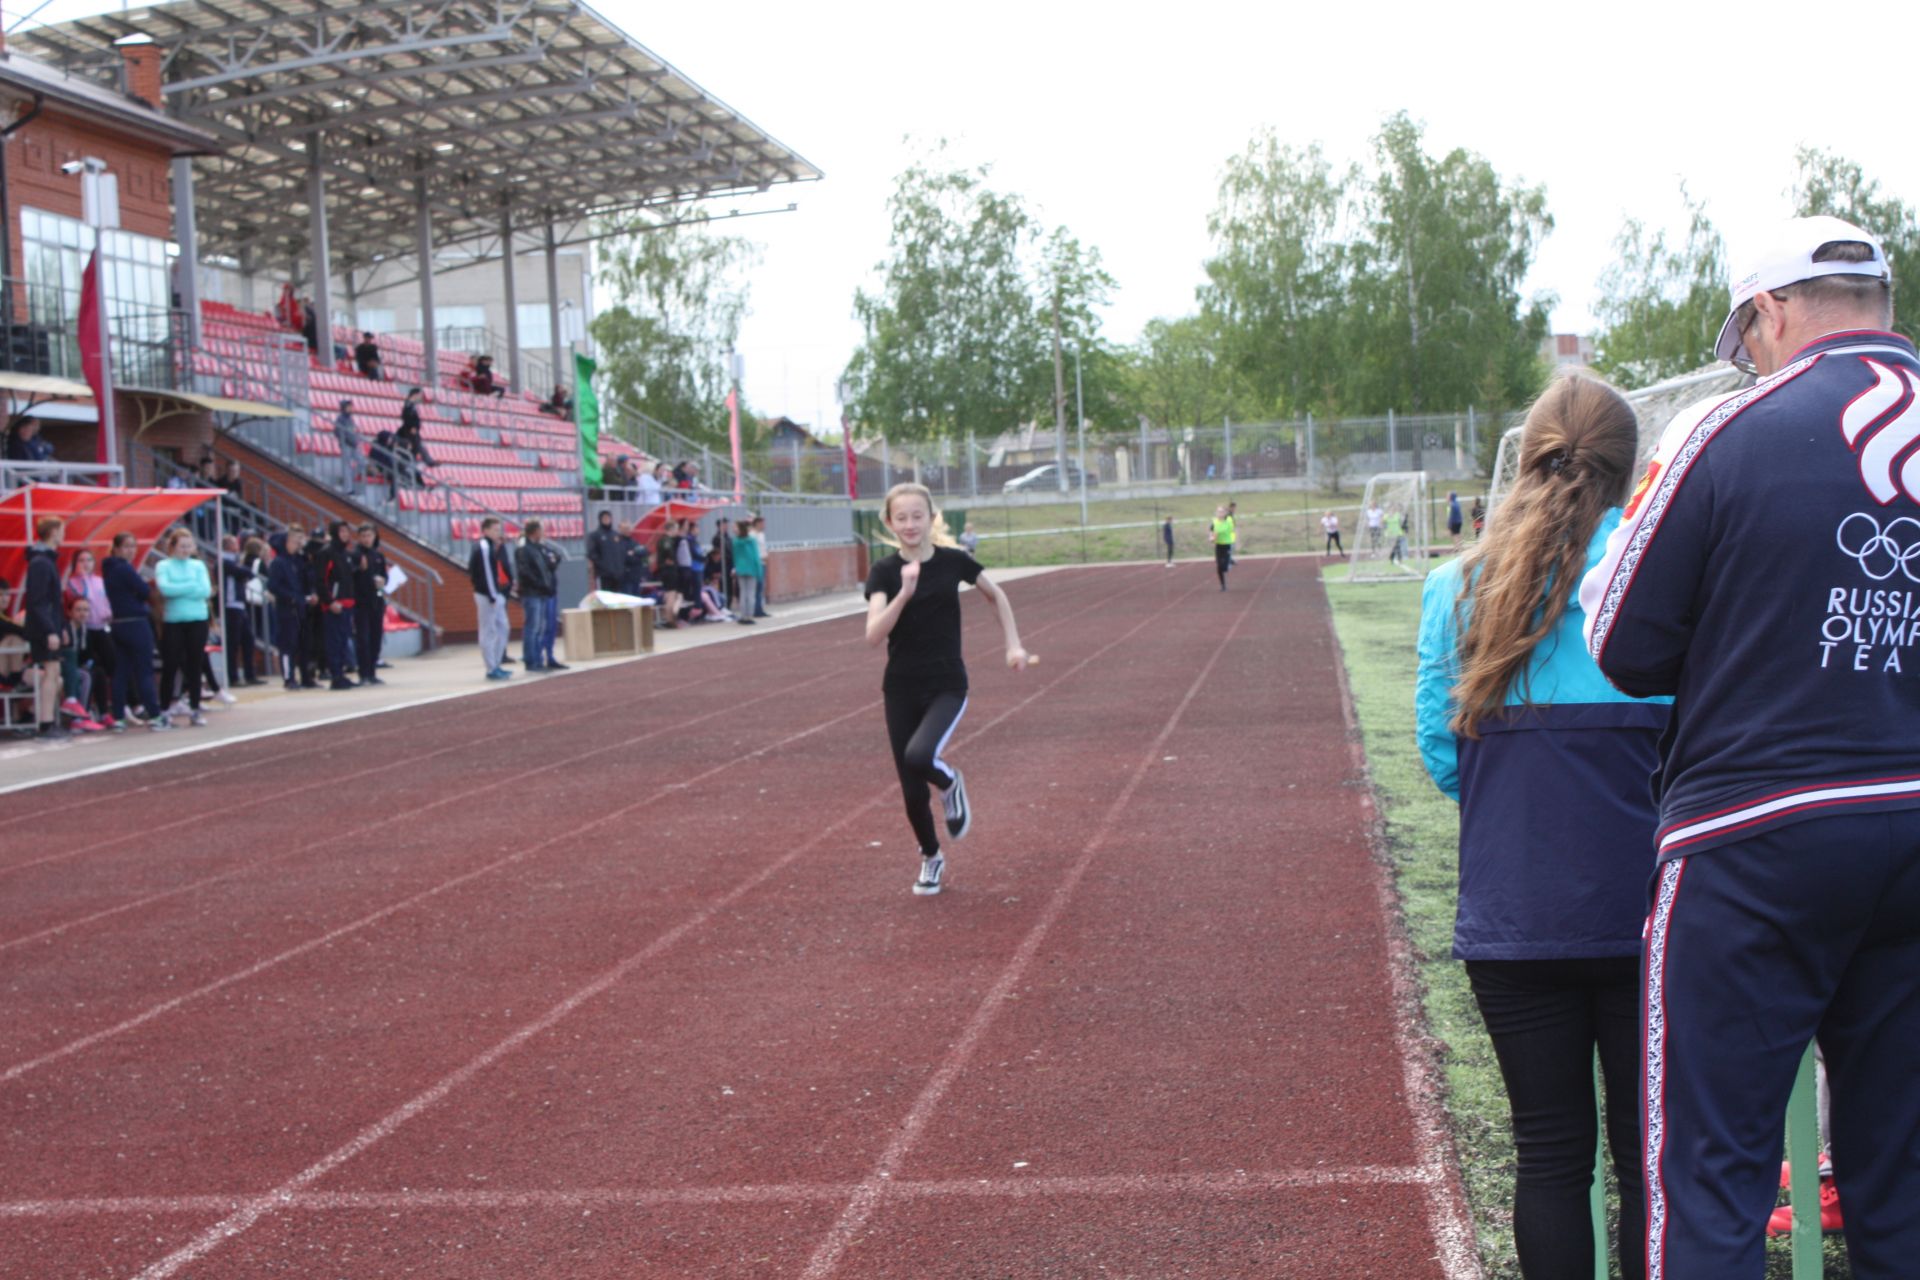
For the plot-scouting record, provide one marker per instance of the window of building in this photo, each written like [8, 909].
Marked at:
[138, 291]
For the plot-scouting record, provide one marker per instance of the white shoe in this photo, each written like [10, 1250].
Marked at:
[226, 699]
[179, 708]
[199, 720]
[931, 869]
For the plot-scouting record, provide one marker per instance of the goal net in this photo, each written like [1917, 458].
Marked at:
[1506, 465]
[1395, 529]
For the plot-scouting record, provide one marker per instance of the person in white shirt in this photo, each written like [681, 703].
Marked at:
[1330, 525]
[649, 486]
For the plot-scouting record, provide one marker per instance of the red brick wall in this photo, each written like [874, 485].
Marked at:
[813, 571]
[34, 157]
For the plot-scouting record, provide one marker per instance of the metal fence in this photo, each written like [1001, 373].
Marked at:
[1030, 466]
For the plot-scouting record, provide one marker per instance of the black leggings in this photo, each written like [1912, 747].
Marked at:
[183, 652]
[918, 726]
[1333, 544]
[1222, 561]
[1546, 1018]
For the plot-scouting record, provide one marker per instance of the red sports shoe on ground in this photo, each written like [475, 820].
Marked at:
[1782, 1220]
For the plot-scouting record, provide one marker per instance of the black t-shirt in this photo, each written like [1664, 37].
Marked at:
[923, 651]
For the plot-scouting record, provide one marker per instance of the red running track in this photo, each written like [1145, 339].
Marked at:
[619, 975]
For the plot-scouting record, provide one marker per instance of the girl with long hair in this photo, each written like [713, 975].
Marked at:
[913, 603]
[85, 583]
[1551, 768]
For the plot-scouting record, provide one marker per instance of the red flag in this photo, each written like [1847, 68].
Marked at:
[91, 363]
[853, 459]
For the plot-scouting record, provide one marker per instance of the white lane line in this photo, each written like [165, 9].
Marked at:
[1448, 1216]
[244, 1217]
[867, 1198]
[469, 1200]
[147, 1015]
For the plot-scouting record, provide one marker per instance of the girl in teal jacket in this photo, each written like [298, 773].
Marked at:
[185, 588]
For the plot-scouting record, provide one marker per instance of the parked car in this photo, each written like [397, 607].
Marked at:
[1047, 477]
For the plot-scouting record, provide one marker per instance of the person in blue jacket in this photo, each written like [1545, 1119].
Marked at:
[290, 583]
[1551, 768]
[128, 597]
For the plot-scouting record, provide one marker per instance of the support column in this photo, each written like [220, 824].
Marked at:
[562, 370]
[429, 326]
[514, 378]
[185, 232]
[322, 258]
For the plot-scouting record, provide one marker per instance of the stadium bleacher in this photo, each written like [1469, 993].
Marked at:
[498, 453]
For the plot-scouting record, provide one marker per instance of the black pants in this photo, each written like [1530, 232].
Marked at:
[918, 726]
[339, 632]
[1222, 561]
[369, 631]
[239, 646]
[1333, 544]
[183, 652]
[1546, 1018]
[99, 652]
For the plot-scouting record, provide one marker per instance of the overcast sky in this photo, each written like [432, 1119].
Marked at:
[1116, 120]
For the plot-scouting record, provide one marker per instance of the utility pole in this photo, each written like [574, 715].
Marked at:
[1059, 398]
[1080, 421]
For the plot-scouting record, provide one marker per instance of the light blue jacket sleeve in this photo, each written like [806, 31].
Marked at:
[1434, 679]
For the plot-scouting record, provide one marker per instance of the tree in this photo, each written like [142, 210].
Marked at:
[677, 306]
[1181, 379]
[1827, 183]
[1661, 306]
[959, 330]
[1438, 274]
[1276, 283]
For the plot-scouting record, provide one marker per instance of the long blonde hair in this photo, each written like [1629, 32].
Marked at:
[942, 536]
[1576, 459]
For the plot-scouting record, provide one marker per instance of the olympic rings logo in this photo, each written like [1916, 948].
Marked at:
[1881, 553]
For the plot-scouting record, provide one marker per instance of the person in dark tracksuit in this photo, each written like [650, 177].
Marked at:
[335, 588]
[290, 583]
[369, 602]
[45, 618]
[1550, 767]
[129, 598]
[1767, 574]
[913, 603]
[607, 549]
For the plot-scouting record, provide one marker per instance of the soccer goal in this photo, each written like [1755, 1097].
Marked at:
[1506, 465]
[1395, 529]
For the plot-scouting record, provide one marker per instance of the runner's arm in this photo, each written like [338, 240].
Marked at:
[1016, 654]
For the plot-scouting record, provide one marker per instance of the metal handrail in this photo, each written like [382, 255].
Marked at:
[309, 514]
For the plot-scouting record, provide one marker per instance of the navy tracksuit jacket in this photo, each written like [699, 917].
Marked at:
[1767, 574]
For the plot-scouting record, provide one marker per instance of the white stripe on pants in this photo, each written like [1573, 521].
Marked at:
[493, 630]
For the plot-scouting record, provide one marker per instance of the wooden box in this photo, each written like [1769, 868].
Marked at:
[607, 633]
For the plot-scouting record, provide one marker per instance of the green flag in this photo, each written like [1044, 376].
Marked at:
[586, 413]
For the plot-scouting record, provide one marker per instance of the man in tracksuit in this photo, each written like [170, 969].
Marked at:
[290, 583]
[1767, 574]
[336, 601]
[492, 587]
[369, 602]
[607, 549]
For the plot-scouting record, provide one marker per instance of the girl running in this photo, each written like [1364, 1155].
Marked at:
[1222, 544]
[913, 603]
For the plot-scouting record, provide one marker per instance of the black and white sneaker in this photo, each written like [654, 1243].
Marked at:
[959, 812]
[931, 868]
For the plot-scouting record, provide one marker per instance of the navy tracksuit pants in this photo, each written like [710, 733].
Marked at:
[1753, 949]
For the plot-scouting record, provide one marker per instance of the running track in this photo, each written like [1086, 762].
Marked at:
[619, 975]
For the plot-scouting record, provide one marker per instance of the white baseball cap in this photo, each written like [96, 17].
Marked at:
[1785, 257]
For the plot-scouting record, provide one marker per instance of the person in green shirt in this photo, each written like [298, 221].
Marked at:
[1397, 531]
[1222, 544]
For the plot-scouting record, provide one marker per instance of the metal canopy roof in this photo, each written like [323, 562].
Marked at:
[540, 106]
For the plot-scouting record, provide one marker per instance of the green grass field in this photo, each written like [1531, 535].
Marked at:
[1377, 625]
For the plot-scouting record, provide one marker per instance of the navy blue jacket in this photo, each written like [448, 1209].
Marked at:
[1556, 816]
[42, 594]
[129, 596]
[1768, 575]
[290, 580]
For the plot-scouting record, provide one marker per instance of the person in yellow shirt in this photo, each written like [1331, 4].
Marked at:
[1222, 544]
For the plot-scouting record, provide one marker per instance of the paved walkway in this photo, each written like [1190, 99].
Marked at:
[450, 672]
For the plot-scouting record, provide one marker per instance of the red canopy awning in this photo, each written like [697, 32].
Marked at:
[673, 509]
[94, 518]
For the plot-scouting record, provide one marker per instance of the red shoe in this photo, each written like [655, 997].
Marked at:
[85, 725]
[72, 707]
[1781, 1223]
